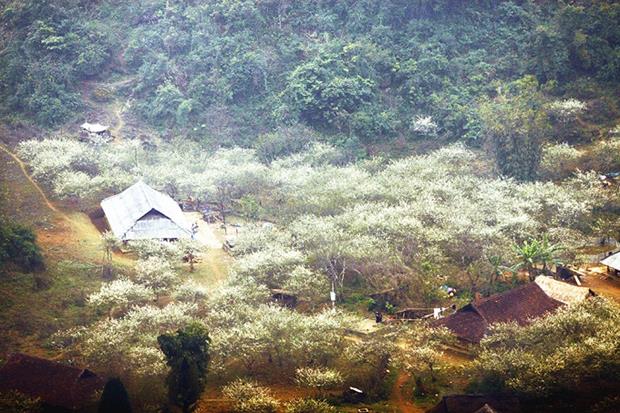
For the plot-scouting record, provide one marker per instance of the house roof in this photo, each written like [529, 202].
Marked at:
[140, 212]
[93, 127]
[562, 291]
[613, 261]
[475, 403]
[520, 304]
[486, 409]
[55, 384]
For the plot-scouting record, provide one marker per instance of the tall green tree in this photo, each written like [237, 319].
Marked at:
[18, 246]
[114, 398]
[187, 354]
[515, 125]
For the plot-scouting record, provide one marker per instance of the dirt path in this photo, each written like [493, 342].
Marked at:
[119, 123]
[205, 235]
[22, 166]
[400, 399]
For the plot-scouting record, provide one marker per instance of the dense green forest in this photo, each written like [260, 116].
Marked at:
[360, 74]
[346, 167]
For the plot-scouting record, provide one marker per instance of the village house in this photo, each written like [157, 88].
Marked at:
[521, 305]
[95, 133]
[612, 262]
[140, 212]
[477, 403]
[61, 388]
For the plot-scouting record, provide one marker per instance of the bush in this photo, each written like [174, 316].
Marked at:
[16, 402]
[283, 142]
[18, 246]
[558, 353]
[559, 161]
[249, 397]
[309, 406]
[321, 379]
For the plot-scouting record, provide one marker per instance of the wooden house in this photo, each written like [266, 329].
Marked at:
[477, 403]
[60, 388]
[521, 305]
[140, 212]
[612, 262]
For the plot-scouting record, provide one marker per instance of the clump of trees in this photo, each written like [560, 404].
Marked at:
[389, 224]
[18, 247]
[556, 354]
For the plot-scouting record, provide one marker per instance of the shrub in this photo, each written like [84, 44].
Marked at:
[18, 246]
[320, 379]
[249, 397]
[16, 402]
[309, 406]
[558, 161]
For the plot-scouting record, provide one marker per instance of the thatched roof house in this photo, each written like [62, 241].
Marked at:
[60, 387]
[520, 304]
[477, 403]
[140, 212]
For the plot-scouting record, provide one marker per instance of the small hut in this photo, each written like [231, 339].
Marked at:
[60, 388]
[95, 133]
[140, 212]
[95, 128]
[613, 263]
[413, 313]
[477, 403]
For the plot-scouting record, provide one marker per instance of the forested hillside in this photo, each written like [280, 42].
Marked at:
[360, 74]
[320, 206]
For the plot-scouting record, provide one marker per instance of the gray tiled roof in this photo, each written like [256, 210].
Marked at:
[140, 212]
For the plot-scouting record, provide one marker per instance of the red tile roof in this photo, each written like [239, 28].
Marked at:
[474, 403]
[520, 304]
[54, 383]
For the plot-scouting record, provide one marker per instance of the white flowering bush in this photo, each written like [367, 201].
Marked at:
[567, 109]
[269, 267]
[309, 406]
[559, 160]
[190, 292]
[604, 156]
[127, 346]
[424, 125]
[272, 336]
[121, 293]
[307, 284]
[148, 248]
[553, 353]
[157, 274]
[249, 397]
[320, 379]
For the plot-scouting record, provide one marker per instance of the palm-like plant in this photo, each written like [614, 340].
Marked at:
[534, 252]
